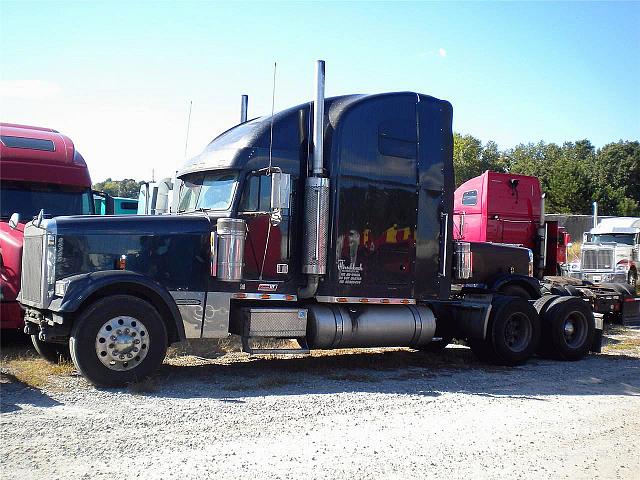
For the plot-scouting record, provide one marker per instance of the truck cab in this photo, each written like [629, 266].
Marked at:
[611, 252]
[41, 170]
[508, 208]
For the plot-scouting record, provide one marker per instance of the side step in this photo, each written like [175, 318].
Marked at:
[248, 348]
[271, 323]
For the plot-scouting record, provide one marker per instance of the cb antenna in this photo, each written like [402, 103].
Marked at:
[186, 140]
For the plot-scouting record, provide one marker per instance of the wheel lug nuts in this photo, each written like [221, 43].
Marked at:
[121, 357]
[126, 330]
[135, 349]
[136, 341]
[129, 356]
[113, 337]
[119, 332]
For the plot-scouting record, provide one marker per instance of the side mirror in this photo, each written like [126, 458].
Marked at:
[14, 220]
[280, 195]
[280, 190]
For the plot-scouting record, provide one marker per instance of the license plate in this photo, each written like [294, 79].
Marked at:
[597, 278]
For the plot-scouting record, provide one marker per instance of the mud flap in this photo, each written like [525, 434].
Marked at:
[596, 346]
[631, 311]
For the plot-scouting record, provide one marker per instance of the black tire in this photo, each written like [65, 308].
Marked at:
[143, 325]
[516, 291]
[513, 332]
[436, 346]
[560, 290]
[568, 328]
[542, 304]
[51, 352]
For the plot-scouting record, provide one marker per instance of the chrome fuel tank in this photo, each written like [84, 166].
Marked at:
[340, 326]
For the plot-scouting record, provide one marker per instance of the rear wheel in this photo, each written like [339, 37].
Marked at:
[513, 332]
[568, 328]
[118, 340]
[51, 352]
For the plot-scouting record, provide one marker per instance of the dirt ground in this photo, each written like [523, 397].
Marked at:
[355, 414]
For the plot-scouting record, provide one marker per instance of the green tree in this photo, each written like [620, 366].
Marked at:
[127, 188]
[471, 159]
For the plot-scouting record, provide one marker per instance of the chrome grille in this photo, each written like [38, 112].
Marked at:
[31, 283]
[598, 259]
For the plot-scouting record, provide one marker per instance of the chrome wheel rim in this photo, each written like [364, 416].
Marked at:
[122, 343]
[574, 329]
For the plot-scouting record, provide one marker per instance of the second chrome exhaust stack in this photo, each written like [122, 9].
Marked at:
[316, 219]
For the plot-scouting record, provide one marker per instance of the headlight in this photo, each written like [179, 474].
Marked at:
[61, 288]
[51, 264]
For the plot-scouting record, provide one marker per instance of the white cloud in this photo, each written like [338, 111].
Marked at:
[442, 52]
[28, 89]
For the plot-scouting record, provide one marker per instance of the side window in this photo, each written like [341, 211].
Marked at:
[256, 196]
[470, 197]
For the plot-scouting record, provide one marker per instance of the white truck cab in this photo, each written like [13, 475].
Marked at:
[611, 251]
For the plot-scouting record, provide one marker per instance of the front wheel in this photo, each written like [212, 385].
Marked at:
[118, 340]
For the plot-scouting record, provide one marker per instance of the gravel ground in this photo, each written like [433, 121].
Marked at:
[363, 414]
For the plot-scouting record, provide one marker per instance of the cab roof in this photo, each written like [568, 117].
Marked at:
[40, 155]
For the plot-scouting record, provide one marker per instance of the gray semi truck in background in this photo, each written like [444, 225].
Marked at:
[329, 223]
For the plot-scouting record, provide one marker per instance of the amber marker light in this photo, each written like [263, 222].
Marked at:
[240, 295]
[385, 300]
[342, 300]
[265, 296]
[289, 297]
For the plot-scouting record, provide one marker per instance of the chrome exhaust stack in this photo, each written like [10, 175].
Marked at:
[316, 222]
[542, 238]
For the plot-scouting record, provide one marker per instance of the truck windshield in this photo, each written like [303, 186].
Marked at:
[28, 200]
[624, 238]
[208, 192]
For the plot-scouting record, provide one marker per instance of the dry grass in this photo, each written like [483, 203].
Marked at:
[36, 372]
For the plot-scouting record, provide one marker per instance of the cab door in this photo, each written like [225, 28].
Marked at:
[267, 251]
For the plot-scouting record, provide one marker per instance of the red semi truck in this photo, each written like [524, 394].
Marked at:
[40, 169]
[509, 209]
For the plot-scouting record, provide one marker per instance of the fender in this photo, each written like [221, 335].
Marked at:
[530, 283]
[83, 287]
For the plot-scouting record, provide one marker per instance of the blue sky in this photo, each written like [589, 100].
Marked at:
[118, 77]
